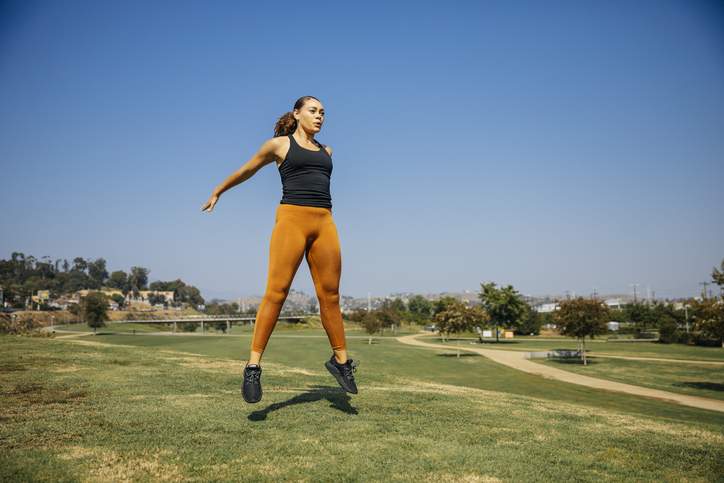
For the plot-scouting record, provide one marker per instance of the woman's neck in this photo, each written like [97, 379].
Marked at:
[302, 134]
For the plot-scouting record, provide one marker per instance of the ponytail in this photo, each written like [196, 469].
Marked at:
[286, 124]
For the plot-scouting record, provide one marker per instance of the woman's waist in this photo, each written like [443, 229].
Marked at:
[301, 209]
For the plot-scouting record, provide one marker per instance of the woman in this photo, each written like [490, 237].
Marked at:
[303, 226]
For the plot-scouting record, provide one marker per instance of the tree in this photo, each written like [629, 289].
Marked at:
[530, 323]
[388, 313]
[442, 303]
[668, 329]
[717, 276]
[79, 264]
[357, 315]
[456, 317]
[138, 279]
[97, 272]
[154, 299]
[640, 316]
[372, 324]
[709, 318]
[420, 308]
[119, 280]
[119, 299]
[581, 317]
[504, 305]
[93, 309]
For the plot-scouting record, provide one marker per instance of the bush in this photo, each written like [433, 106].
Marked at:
[668, 330]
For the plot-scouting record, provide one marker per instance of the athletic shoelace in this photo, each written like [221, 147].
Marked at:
[253, 376]
[348, 369]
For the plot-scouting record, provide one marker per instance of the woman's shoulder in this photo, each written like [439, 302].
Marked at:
[280, 145]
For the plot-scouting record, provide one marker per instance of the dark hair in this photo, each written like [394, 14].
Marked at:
[286, 124]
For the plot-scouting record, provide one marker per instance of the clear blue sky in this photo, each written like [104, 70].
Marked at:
[550, 145]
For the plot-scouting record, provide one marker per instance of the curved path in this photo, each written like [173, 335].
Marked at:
[517, 360]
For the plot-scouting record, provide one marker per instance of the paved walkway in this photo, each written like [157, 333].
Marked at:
[517, 360]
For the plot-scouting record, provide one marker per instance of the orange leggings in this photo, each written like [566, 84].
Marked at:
[300, 230]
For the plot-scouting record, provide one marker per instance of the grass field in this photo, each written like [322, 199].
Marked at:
[697, 380]
[168, 408]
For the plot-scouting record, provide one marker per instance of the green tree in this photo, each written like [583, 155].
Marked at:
[420, 309]
[372, 324]
[138, 279]
[456, 317]
[79, 264]
[668, 329]
[154, 299]
[640, 316]
[504, 305]
[442, 303]
[581, 317]
[119, 299]
[530, 323]
[717, 275]
[357, 315]
[389, 313]
[119, 280]
[97, 272]
[709, 319]
[93, 309]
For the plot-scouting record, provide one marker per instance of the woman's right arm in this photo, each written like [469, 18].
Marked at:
[267, 153]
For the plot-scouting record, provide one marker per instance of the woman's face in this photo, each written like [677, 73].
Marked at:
[311, 116]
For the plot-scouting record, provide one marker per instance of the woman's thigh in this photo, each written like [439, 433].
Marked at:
[324, 257]
[286, 249]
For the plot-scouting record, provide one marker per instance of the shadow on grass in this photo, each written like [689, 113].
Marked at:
[576, 361]
[338, 398]
[462, 354]
[501, 342]
[711, 386]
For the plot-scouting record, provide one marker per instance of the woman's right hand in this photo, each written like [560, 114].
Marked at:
[209, 205]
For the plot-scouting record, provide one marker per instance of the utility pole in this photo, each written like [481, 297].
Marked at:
[703, 290]
[634, 285]
[686, 315]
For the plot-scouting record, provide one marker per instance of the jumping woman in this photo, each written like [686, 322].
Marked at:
[303, 227]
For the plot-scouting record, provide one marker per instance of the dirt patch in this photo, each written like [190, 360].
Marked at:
[106, 465]
[466, 478]
[64, 369]
[92, 343]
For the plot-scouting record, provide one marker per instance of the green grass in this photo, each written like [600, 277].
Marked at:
[236, 329]
[148, 408]
[697, 380]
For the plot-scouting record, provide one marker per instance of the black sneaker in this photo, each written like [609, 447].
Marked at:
[343, 373]
[251, 387]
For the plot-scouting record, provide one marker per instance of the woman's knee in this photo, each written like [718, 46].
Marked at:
[328, 296]
[276, 295]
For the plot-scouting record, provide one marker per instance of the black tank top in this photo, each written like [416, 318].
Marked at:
[305, 176]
